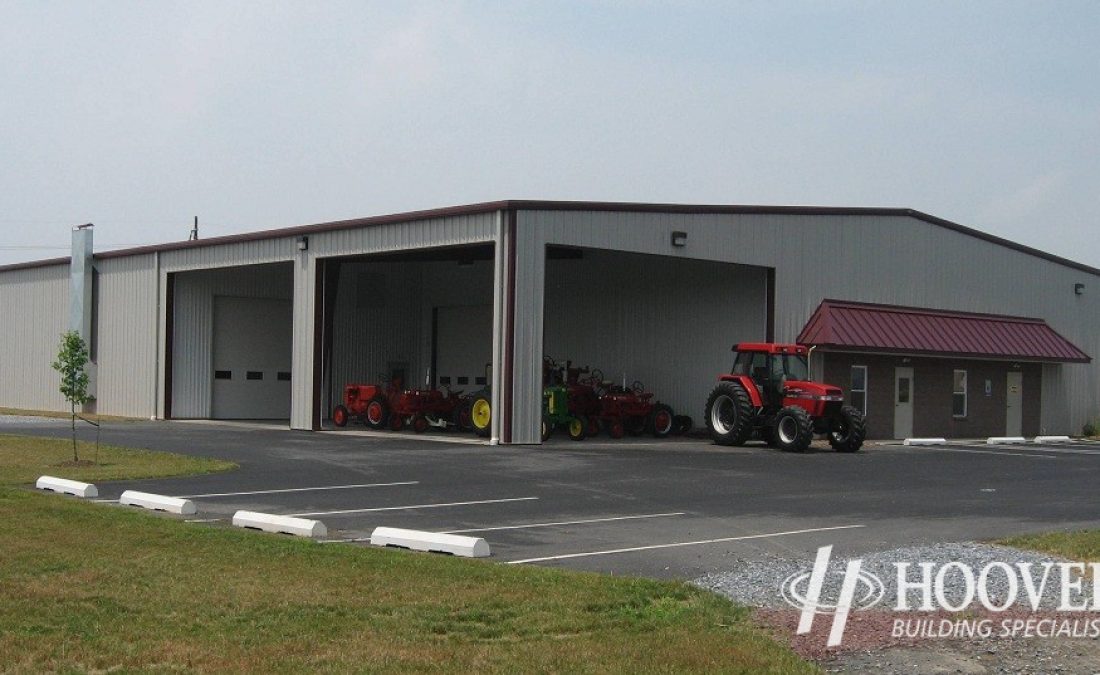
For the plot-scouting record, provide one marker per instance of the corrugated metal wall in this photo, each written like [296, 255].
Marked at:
[667, 322]
[34, 304]
[127, 336]
[192, 361]
[893, 260]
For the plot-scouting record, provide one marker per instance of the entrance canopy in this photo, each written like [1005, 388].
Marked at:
[854, 326]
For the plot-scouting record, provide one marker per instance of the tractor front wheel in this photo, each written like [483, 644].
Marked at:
[660, 420]
[793, 430]
[377, 413]
[340, 416]
[397, 422]
[578, 428]
[728, 414]
[615, 428]
[420, 424]
[547, 429]
[848, 430]
[593, 426]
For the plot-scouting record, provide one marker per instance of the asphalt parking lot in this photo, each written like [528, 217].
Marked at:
[678, 508]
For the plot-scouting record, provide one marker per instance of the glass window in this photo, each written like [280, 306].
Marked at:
[958, 396]
[857, 393]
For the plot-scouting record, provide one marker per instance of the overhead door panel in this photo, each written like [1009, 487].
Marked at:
[252, 353]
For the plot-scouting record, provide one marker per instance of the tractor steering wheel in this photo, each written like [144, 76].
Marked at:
[637, 387]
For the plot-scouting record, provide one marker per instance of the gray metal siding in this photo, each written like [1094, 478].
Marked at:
[884, 259]
[35, 306]
[127, 336]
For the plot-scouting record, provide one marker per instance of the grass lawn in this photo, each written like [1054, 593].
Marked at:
[95, 587]
[24, 458]
[1081, 546]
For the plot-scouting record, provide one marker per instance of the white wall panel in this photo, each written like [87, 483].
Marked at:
[34, 304]
[127, 336]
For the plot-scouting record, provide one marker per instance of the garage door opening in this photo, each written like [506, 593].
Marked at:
[229, 346]
[420, 320]
[663, 322]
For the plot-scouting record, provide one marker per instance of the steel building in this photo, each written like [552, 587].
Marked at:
[931, 327]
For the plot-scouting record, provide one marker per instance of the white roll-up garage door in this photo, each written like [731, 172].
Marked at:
[252, 352]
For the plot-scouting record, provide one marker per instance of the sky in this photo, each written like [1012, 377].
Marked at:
[139, 116]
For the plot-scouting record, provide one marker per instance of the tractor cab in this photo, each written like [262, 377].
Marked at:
[771, 367]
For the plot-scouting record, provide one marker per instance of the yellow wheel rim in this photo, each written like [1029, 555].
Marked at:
[481, 413]
[576, 427]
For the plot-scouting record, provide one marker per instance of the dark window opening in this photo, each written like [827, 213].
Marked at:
[254, 375]
[445, 380]
[283, 376]
[223, 374]
[480, 380]
[464, 380]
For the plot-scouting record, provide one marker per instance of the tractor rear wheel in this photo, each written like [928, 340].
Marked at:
[793, 430]
[461, 416]
[547, 428]
[615, 428]
[578, 428]
[397, 422]
[728, 414]
[340, 416]
[660, 421]
[848, 430]
[377, 413]
[481, 416]
[420, 424]
[593, 426]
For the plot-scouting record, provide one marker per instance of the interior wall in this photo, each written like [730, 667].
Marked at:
[193, 326]
[383, 316]
[668, 322]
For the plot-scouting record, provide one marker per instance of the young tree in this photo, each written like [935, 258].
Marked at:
[72, 356]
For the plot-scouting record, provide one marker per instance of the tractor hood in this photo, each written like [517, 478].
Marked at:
[813, 390]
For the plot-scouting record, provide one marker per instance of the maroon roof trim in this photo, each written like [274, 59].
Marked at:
[866, 327]
[537, 205]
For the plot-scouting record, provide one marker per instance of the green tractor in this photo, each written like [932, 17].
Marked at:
[555, 405]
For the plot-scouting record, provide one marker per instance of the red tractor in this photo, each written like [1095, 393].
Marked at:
[618, 409]
[368, 403]
[769, 394]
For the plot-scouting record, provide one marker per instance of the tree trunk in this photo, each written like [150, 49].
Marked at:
[72, 407]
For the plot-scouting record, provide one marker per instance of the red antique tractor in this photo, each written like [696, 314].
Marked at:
[617, 409]
[367, 403]
[394, 407]
[769, 394]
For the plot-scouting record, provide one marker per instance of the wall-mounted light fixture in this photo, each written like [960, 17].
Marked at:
[907, 360]
[1078, 289]
[679, 239]
[303, 243]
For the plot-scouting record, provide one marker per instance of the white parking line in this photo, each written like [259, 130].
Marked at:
[308, 489]
[680, 544]
[411, 506]
[564, 522]
[975, 451]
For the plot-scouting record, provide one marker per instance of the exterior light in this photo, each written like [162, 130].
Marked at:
[679, 239]
[303, 243]
[1078, 289]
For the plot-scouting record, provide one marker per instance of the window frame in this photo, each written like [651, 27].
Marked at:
[852, 389]
[964, 393]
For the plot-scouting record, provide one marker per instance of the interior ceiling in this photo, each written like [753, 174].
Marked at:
[461, 254]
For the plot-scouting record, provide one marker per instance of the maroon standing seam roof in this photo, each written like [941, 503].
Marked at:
[866, 327]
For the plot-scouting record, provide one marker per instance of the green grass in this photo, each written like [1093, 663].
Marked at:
[1081, 546]
[24, 458]
[91, 587]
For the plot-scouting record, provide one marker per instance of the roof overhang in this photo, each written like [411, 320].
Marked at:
[889, 329]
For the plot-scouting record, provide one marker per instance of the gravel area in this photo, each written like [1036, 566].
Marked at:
[870, 647]
[757, 582]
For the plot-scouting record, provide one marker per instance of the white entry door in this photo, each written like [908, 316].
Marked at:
[903, 402]
[252, 355]
[1014, 407]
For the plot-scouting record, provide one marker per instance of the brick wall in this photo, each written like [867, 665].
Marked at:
[933, 381]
